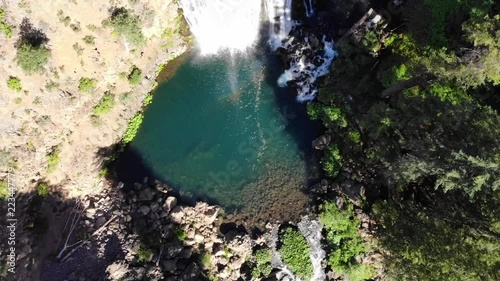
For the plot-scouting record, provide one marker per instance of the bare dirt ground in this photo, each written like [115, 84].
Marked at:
[37, 120]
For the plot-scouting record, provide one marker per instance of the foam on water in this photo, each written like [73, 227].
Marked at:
[305, 74]
[234, 25]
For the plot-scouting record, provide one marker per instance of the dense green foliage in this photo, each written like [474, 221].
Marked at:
[14, 83]
[42, 189]
[262, 267]
[133, 128]
[418, 126]
[345, 242]
[332, 161]
[128, 25]
[105, 104]
[427, 246]
[86, 84]
[89, 39]
[32, 59]
[295, 253]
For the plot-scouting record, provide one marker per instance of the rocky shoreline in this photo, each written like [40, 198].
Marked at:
[153, 237]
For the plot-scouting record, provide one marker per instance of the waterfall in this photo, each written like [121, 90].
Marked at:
[234, 25]
[279, 29]
[223, 24]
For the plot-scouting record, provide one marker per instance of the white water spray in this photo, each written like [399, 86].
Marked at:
[305, 73]
[309, 9]
[234, 25]
[279, 15]
[223, 24]
[311, 229]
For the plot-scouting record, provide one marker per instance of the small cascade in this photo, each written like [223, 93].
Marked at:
[311, 229]
[279, 14]
[223, 24]
[309, 8]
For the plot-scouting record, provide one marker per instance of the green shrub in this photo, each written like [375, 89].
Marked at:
[78, 49]
[159, 69]
[395, 74]
[344, 239]
[295, 253]
[4, 190]
[4, 26]
[105, 104]
[86, 84]
[371, 41]
[18, 100]
[148, 99]
[263, 265]
[62, 18]
[206, 260]
[91, 27]
[134, 76]
[179, 234]
[89, 39]
[144, 253]
[335, 115]
[103, 172]
[133, 128]
[32, 59]
[53, 160]
[14, 83]
[441, 11]
[128, 25]
[354, 136]
[126, 97]
[332, 161]
[42, 189]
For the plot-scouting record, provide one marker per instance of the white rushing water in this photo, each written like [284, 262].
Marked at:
[305, 73]
[311, 229]
[279, 15]
[308, 5]
[234, 25]
[223, 24]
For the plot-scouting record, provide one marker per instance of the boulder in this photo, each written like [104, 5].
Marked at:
[146, 194]
[145, 210]
[169, 265]
[170, 203]
[177, 214]
[190, 273]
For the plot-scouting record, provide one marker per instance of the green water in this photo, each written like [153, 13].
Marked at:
[216, 130]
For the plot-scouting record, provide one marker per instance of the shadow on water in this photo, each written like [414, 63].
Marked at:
[303, 130]
[130, 168]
